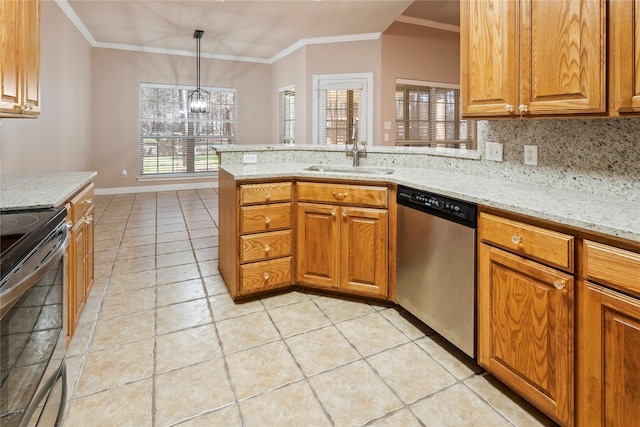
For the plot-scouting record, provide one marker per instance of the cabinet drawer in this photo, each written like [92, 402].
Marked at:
[81, 202]
[258, 247]
[343, 194]
[265, 193]
[265, 217]
[548, 246]
[265, 275]
[612, 267]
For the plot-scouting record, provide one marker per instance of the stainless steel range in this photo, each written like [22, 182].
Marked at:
[32, 324]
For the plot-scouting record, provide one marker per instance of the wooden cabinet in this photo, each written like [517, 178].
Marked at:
[609, 337]
[342, 246]
[525, 312]
[256, 236]
[80, 254]
[20, 58]
[624, 57]
[532, 57]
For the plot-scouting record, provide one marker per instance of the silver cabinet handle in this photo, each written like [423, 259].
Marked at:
[508, 107]
[344, 214]
[267, 248]
[266, 276]
[89, 201]
[516, 239]
[523, 108]
[268, 197]
[333, 212]
[267, 220]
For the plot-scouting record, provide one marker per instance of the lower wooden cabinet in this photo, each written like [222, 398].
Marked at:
[526, 312]
[343, 248]
[609, 337]
[80, 255]
[610, 369]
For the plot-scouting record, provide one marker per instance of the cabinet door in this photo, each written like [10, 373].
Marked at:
[488, 62]
[609, 377]
[88, 254]
[30, 52]
[525, 329]
[318, 245]
[624, 56]
[78, 267]
[9, 70]
[364, 266]
[563, 56]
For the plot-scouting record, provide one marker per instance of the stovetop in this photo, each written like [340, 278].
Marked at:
[21, 231]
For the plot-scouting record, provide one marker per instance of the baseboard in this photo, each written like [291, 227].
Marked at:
[155, 188]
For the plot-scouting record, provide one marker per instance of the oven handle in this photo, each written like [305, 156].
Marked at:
[15, 291]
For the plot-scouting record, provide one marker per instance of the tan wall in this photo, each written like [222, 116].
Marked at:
[117, 76]
[290, 70]
[416, 53]
[60, 139]
[342, 58]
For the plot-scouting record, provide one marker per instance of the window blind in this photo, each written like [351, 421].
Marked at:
[287, 116]
[174, 141]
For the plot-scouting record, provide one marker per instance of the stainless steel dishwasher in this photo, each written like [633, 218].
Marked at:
[436, 253]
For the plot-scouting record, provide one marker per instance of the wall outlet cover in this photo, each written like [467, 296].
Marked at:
[494, 151]
[531, 155]
[249, 158]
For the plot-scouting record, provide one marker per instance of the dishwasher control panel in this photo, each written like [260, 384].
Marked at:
[442, 206]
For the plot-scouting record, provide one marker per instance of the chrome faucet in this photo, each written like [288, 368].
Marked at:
[351, 146]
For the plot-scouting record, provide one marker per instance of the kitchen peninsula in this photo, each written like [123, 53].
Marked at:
[549, 253]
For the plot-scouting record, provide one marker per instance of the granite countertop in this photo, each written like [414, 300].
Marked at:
[615, 217]
[41, 191]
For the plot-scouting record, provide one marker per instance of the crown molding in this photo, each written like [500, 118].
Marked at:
[75, 19]
[428, 23]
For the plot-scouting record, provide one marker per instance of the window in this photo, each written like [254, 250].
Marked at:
[288, 115]
[341, 105]
[174, 141]
[428, 114]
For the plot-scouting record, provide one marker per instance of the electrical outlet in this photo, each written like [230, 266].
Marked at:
[531, 155]
[249, 158]
[494, 151]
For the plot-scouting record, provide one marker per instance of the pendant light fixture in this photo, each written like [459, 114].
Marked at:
[199, 99]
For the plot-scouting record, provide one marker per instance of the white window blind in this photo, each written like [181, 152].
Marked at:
[429, 114]
[176, 142]
[342, 105]
[287, 124]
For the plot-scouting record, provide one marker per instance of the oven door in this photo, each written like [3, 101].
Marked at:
[33, 336]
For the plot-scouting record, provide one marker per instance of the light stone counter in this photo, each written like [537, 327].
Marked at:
[43, 191]
[590, 212]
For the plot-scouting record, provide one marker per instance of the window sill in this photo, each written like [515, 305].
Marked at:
[176, 177]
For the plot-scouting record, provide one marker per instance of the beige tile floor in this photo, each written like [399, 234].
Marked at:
[160, 343]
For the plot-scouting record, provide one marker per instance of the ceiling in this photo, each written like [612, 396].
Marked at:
[258, 30]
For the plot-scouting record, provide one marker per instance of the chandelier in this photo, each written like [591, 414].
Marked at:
[199, 99]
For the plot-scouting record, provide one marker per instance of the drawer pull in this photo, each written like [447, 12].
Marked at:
[88, 219]
[333, 212]
[69, 225]
[268, 197]
[516, 239]
[88, 201]
[267, 248]
[560, 283]
[340, 196]
[266, 276]
[267, 220]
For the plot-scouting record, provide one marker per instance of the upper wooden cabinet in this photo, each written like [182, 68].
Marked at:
[532, 57]
[20, 58]
[624, 57]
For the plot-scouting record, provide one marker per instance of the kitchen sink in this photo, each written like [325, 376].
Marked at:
[350, 169]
